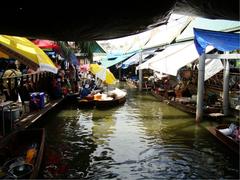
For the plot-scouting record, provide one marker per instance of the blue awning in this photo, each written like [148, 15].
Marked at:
[222, 41]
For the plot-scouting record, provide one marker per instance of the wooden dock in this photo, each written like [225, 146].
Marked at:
[28, 119]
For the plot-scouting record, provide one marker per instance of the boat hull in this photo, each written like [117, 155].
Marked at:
[86, 103]
[16, 144]
[101, 104]
[227, 140]
[210, 112]
[110, 103]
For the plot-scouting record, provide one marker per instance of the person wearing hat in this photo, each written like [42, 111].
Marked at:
[9, 88]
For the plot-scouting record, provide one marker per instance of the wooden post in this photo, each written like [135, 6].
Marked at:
[200, 88]
[140, 73]
[226, 87]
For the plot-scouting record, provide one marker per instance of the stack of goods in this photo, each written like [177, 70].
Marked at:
[37, 100]
[102, 97]
[117, 93]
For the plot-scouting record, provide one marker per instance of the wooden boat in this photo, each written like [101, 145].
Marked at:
[84, 103]
[102, 104]
[209, 111]
[158, 96]
[72, 96]
[101, 101]
[227, 140]
[189, 107]
[21, 154]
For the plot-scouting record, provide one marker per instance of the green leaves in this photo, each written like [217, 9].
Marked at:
[65, 49]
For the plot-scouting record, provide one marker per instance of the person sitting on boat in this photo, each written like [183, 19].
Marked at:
[93, 85]
[85, 91]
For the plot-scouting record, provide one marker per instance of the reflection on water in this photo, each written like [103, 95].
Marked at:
[143, 139]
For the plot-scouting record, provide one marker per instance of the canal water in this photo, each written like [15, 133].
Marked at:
[142, 139]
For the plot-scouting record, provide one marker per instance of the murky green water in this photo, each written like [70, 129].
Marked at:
[143, 139]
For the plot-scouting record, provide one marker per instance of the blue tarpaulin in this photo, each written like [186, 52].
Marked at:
[223, 41]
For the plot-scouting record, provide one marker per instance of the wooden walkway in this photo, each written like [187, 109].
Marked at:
[26, 120]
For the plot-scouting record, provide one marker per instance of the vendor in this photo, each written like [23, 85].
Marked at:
[85, 91]
[178, 90]
[10, 88]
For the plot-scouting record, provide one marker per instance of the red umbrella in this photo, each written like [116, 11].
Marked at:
[46, 44]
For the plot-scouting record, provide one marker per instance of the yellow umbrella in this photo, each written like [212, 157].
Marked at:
[28, 53]
[102, 73]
